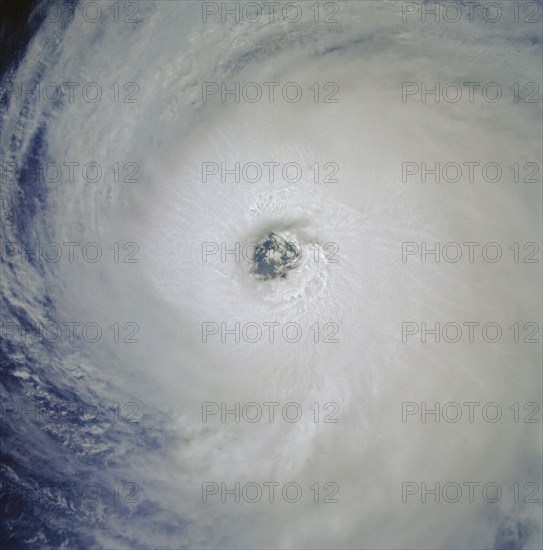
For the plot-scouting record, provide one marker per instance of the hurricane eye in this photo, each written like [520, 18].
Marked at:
[274, 257]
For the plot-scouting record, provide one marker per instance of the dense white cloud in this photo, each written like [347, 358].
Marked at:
[368, 294]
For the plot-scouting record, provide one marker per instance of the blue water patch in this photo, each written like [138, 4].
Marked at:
[28, 204]
[512, 537]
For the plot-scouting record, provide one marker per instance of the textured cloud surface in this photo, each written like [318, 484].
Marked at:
[162, 58]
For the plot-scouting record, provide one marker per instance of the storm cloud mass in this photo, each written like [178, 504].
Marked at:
[172, 135]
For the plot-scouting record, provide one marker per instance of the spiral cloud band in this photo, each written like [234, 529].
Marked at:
[271, 275]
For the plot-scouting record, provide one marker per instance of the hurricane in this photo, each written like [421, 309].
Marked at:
[271, 275]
